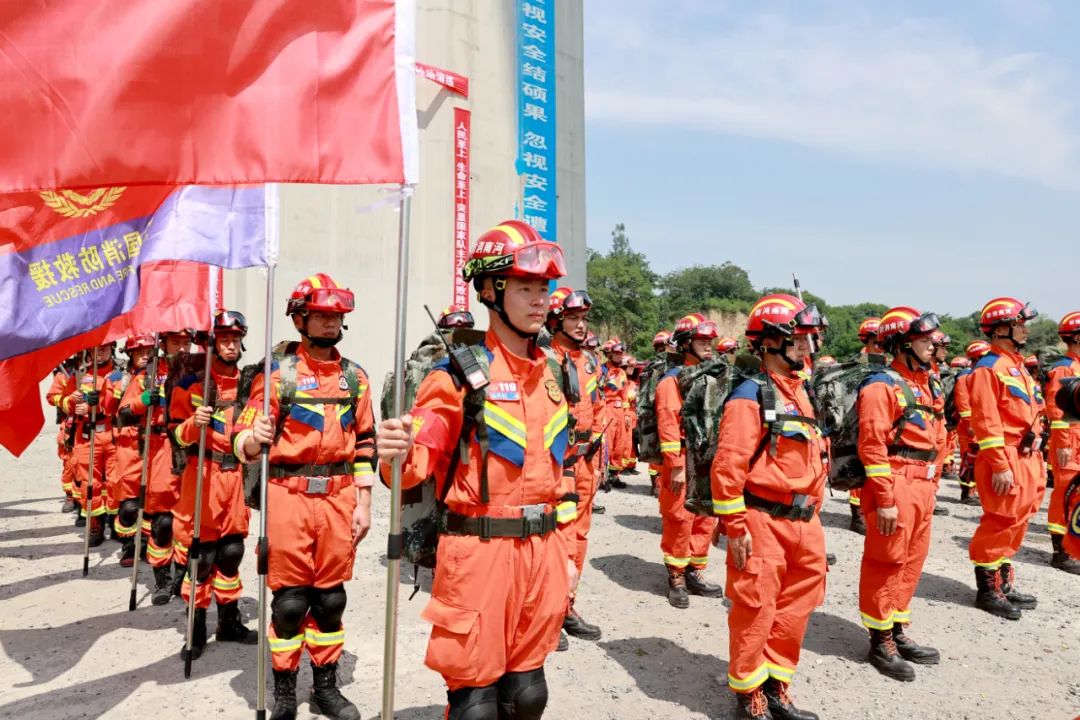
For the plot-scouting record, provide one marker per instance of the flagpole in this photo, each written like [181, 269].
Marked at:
[262, 549]
[151, 384]
[200, 475]
[393, 549]
[88, 496]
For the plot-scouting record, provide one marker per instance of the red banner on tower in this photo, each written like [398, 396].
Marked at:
[462, 138]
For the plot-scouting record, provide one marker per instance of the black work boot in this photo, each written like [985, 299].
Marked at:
[989, 596]
[752, 706]
[284, 695]
[598, 509]
[677, 596]
[80, 519]
[912, 651]
[178, 573]
[616, 482]
[564, 642]
[1008, 589]
[781, 704]
[885, 657]
[575, 625]
[68, 506]
[198, 636]
[940, 509]
[858, 524]
[97, 531]
[696, 584]
[230, 628]
[127, 554]
[162, 590]
[1060, 559]
[326, 699]
[966, 496]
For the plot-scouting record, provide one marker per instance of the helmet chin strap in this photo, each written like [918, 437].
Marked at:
[559, 331]
[319, 342]
[913, 361]
[1011, 338]
[781, 352]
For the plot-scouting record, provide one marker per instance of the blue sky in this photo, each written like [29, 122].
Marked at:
[901, 152]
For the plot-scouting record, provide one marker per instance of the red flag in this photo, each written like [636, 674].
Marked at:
[173, 295]
[129, 92]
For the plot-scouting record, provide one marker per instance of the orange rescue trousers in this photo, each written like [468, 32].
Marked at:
[892, 565]
[772, 598]
[686, 536]
[1005, 517]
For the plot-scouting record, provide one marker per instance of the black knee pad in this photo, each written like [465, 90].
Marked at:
[473, 703]
[327, 607]
[128, 513]
[288, 610]
[230, 553]
[161, 529]
[523, 695]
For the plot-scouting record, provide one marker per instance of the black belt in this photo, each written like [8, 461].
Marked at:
[287, 470]
[488, 527]
[798, 510]
[581, 436]
[912, 453]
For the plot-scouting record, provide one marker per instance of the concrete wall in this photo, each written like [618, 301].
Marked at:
[324, 229]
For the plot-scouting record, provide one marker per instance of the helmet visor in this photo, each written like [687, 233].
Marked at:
[1028, 313]
[462, 318]
[230, 320]
[809, 320]
[577, 300]
[705, 330]
[335, 300]
[924, 325]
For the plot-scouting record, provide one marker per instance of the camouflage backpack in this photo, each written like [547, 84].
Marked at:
[704, 388]
[1049, 358]
[836, 395]
[648, 431]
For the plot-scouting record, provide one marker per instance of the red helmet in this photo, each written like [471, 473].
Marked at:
[230, 320]
[904, 323]
[1005, 311]
[825, 360]
[1069, 327]
[976, 349]
[782, 315]
[138, 341]
[591, 341]
[940, 339]
[868, 329]
[190, 332]
[727, 344]
[565, 298]
[1031, 362]
[516, 249]
[694, 326]
[661, 340]
[455, 317]
[960, 362]
[320, 293]
[614, 345]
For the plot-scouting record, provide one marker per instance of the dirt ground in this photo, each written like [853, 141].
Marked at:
[70, 649]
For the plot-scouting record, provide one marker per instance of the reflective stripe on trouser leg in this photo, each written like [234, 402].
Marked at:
[203, 592]
[324, 647]
[285, 652]
[226, 589]
[158, 556]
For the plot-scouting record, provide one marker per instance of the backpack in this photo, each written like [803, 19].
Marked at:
[285, 357]
[648, 450]
[836, 393]
[948, 387]
[706, 389]
[422, 508]
[1049, 358]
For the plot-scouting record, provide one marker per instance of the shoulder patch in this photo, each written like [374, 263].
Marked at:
[116, 375]
[746, 390]
[987, 361]
[672, 372]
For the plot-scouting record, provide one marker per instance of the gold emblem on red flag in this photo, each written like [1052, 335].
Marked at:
[75, 204]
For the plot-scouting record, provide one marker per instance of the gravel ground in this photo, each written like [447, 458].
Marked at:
[70, 649]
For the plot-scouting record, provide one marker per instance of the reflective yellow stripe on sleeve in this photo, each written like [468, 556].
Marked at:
[874, 471]
[991, 442]
[728, 507]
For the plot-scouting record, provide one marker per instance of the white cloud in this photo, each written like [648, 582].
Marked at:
[909, 92]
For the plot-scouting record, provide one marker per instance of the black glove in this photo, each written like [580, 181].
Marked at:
[92, 398]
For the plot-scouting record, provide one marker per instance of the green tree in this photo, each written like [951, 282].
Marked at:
[706, 287]
[623, 290]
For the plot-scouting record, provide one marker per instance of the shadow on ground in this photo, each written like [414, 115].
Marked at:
[643, 523]
[633, 573]
[664, 670]
[831, 635]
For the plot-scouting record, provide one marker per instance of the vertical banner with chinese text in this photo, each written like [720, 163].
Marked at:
[462, 140]
[536, 115]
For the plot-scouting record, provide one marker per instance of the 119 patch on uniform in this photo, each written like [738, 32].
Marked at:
[504, 390]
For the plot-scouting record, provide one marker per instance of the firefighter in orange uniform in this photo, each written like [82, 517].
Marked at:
[225, 517]
[81, 393]
[162, 485]
[768, 481]
[871, 352]
[1064, 441]
[614, 384]
[633, 375]
[322, 465]
[685, 538]
[505, 562]
[55, 394]
[568, 323]
[1010, 473]
[727, 346]
[965, 438]
[943, 369]
[661, 344]
[902, 446]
